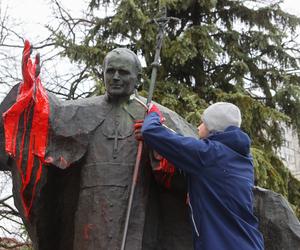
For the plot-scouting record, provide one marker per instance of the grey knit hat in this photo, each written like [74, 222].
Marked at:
[220, 115]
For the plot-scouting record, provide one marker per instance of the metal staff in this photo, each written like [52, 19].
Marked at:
[161, 22]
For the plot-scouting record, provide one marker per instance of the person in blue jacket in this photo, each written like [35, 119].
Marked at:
[220, 176]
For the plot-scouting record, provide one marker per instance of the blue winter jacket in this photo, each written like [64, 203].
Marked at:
[220, 181]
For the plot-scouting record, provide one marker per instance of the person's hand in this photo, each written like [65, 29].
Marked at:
[30, 71]
[152, 108]
[138, 130]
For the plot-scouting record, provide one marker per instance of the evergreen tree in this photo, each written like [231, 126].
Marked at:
[219, 50]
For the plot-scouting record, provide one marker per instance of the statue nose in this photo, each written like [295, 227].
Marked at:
[116, 75]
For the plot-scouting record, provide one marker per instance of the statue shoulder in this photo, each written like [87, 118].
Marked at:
[85, 102]
[7, 102]
[9, 99]
[78, 116]
[173, 120]
[72, 123]
[177, 122]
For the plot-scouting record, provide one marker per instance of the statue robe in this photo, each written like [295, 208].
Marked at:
[81, 199]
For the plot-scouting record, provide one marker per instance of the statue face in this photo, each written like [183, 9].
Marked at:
[120, 74]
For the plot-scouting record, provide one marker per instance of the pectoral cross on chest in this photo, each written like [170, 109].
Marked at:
[117, 126]
[116, 136]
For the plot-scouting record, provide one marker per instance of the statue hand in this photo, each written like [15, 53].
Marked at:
[37, 65]
[30, 71]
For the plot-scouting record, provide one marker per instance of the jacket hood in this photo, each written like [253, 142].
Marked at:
[234, 138]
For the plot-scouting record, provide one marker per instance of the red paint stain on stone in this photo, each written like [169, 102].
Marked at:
[86, 230]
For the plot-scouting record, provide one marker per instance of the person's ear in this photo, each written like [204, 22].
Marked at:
[139, 84]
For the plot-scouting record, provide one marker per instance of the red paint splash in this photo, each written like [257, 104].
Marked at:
[63, 162]
[32, 98]
[164, 172]
[86, 230]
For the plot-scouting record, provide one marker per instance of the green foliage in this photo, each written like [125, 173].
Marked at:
[220, 50]
[271, 173]
[181, 99]
[266, 174]
[294, 194]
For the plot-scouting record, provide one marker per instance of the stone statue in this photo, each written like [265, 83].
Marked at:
[78, 197]
[277, 221]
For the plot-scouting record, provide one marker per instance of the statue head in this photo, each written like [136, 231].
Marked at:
[122, 72]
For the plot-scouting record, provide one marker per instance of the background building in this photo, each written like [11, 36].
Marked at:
[290, 151]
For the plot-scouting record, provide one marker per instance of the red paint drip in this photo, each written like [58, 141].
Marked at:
[32, 97]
